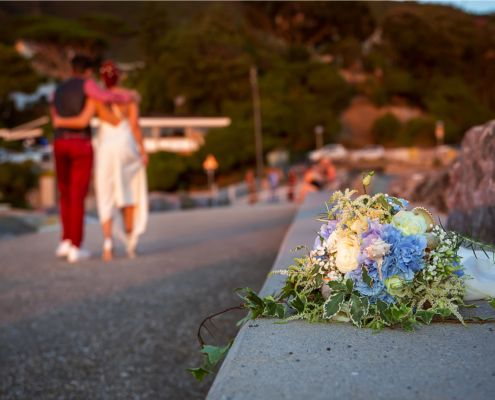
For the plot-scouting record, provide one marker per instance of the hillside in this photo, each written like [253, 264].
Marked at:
[313, 59]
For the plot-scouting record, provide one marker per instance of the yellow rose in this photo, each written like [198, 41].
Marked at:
[347, 252]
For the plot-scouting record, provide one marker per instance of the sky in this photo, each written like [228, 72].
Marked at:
[472, 6]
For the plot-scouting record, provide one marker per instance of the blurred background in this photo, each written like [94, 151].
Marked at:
[255, 87]
[246, 107]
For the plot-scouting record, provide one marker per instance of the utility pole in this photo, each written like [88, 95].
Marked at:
[258, 135]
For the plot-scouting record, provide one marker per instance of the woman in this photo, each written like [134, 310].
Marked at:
[120, 175]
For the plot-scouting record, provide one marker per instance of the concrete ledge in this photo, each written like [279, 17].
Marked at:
[334, 361]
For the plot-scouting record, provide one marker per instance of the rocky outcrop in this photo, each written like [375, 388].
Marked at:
[471, 194]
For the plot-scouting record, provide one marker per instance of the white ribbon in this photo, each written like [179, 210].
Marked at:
[480, 274]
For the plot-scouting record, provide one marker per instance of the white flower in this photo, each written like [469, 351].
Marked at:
[377, 250]
[347, 248]
[331, 241]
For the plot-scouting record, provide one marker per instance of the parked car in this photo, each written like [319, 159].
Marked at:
[334, 152]
[368, 154]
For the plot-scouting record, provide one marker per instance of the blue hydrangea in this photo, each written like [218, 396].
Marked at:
[374, 292]
[405, 257]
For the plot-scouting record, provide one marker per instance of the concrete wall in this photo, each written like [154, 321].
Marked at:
[299, 360]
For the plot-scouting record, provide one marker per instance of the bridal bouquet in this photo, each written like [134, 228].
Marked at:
[374, 263]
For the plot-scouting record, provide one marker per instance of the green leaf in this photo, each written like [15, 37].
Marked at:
[349, 284]
[336, 286]
[408, 325]
[215, 353]
[443, 312]
[270, 307]
[333, 305]
[425, 315]
[357, 311]
[198, 373]
[280, 311]
[376, 325]
[298, 303]
[385, 311]
[366, 278]
[492, 302]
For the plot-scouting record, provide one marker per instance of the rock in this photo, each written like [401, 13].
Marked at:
[428, 189]
[471, 194]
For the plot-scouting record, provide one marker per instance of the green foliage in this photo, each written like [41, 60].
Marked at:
[16, 180]
[212, 355]
[418, 131]
[386, 129]
[16, 73]
[167, 171]
[452, 100]
[59, 31]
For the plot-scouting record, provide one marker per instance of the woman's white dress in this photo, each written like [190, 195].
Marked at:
[120, 176]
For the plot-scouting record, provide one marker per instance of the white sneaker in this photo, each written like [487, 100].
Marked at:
[77, 254]
[63, 248]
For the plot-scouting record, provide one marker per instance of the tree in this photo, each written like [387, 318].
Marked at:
[16, 74]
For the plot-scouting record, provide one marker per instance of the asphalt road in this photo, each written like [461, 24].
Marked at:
[127, 329]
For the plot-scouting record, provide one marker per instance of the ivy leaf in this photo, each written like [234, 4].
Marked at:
[349, 284]
[333, 305]
[336, 286]
[444, 312]
[376, 325]
[198, 373]
[215, 353]
[298, 303]
[425, 315]
[280, 311]
[408, 325]
[356, 310]
[384, 310]
[270, 306]
[366, 278]
[366, 305]
[399, 313]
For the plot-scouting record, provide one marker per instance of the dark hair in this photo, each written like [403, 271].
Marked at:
[81, 63]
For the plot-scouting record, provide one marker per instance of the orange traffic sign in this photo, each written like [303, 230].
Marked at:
[210, 163]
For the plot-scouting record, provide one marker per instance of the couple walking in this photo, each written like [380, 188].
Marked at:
[119, 155]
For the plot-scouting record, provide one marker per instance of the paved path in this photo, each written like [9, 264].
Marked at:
[126, 330]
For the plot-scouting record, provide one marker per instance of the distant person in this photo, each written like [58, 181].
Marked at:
[251, 186]
[313, 181]
[73, 150]
[328, 171]
[120, 173]
[273, 178]
[291, 185]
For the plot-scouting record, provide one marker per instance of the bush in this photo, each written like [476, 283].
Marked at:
[16, 180]
[386, 129]
[418, 131]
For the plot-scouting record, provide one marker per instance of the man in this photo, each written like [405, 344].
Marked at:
[74, 152]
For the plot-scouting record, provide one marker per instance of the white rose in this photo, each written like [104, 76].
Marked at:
[331, 241]
[347, 248]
